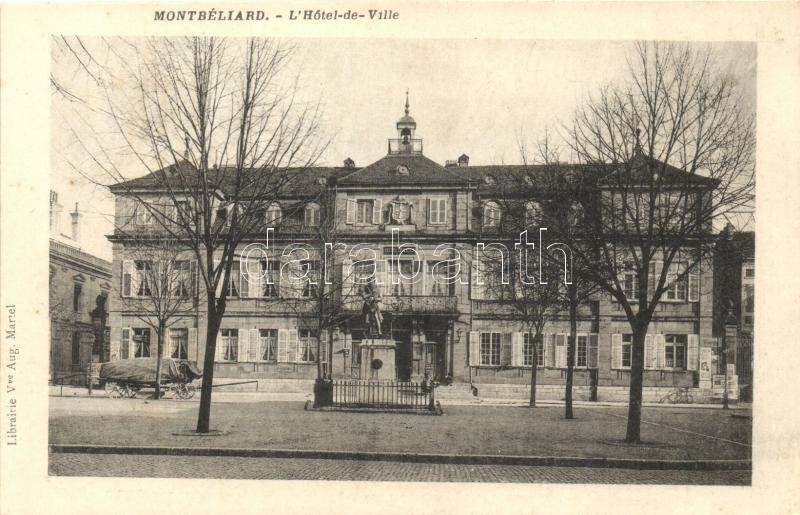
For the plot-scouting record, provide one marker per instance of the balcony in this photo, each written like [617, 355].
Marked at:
[405, 146]
[411, 304]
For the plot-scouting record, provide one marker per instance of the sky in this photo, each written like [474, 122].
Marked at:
[474, 96]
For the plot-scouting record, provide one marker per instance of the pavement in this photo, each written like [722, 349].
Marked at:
[669, 434]
[349, 470]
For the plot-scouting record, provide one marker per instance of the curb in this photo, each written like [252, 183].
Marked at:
[462, 459]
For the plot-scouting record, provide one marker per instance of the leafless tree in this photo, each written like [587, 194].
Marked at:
[159, 287]
[664, 155]
[212, 135]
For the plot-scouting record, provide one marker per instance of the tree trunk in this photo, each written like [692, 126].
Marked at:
[536, 344]
[204, 414]
[573, 330]
[633, 433]
[160, 352]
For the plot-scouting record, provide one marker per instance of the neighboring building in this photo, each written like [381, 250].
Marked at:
[79, 286]
[457, 331]
[735, 269]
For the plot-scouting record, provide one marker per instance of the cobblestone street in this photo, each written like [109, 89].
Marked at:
[344, 470]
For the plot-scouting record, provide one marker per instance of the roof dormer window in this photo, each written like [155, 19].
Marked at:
[489, 180]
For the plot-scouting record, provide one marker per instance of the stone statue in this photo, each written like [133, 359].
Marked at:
[373, 318]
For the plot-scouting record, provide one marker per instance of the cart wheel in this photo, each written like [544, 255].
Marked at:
[112, 390]
[189, 391]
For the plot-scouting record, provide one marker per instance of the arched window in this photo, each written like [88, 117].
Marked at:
[273, 214]
[491, 214]
[311, 215]
[533, 213]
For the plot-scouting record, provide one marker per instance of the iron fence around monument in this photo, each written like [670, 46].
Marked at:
[383, 395]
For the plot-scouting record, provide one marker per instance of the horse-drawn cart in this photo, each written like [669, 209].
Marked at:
[124, 378]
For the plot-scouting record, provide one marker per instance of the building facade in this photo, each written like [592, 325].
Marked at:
[452, 331]
[79, 287]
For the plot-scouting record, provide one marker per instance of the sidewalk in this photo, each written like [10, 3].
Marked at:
[668, 433]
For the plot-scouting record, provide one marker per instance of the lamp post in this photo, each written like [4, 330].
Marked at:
[99, 316]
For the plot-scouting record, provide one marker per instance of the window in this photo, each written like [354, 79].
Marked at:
[179, 343]
[143, 214]
[76, 348]
[268, 345]
[143, 273]
[270, 272]
[630, 285]
[490, 349]
[749, 272]
[233, 284]
[184, 211]
[582, 350]
[533, 213]
[675, 351]
[273, 214]
[230, 344]
[676, 288]
[364, 209]
[527, 351]
[440, 273]
[311, 215]
[437, 211]
[141, 342]
[575, 213]
[363, 273]
[181, 279]
[491, 214]
[627, 348]
[77, 297]
[307, 350]
[404, 273]
[311, 272]
[748, 304]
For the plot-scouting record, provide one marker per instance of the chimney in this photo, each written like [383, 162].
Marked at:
[76, 219]
[55, 213]
[463, 160]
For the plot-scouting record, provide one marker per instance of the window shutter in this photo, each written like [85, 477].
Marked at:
[693, 352]
[351, 211]
[127, 278]
[242, 351]
[347, 276]
[652, 277]
[616, 351]
[517, 359]
[286, 283]
[323, 343]
[550, 350]
[561, 351]
[377, 211]
[694, 285]
[443, 218]
[592, 358]
[166, 344]
[243, 279]
[474, 349]
[506, 351]
[193, 277]
[661, 359]
[381, 276]
[191, 350]
[430, 211]
[254, 345]
[649, 352]
[124, 344]
[477, 289]
[218, 350]
[283, 345]
[294, 346]
[113, 350]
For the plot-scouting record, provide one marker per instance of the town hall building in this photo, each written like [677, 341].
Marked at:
[452, 332]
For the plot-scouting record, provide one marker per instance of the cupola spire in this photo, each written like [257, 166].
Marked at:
[407, 102]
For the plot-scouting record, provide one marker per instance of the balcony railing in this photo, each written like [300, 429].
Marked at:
[405, 146]
[420, 304]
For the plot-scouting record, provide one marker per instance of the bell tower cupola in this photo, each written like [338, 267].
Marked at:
[405, 142]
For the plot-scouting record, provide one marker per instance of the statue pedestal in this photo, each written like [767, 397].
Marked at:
[377, 360]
